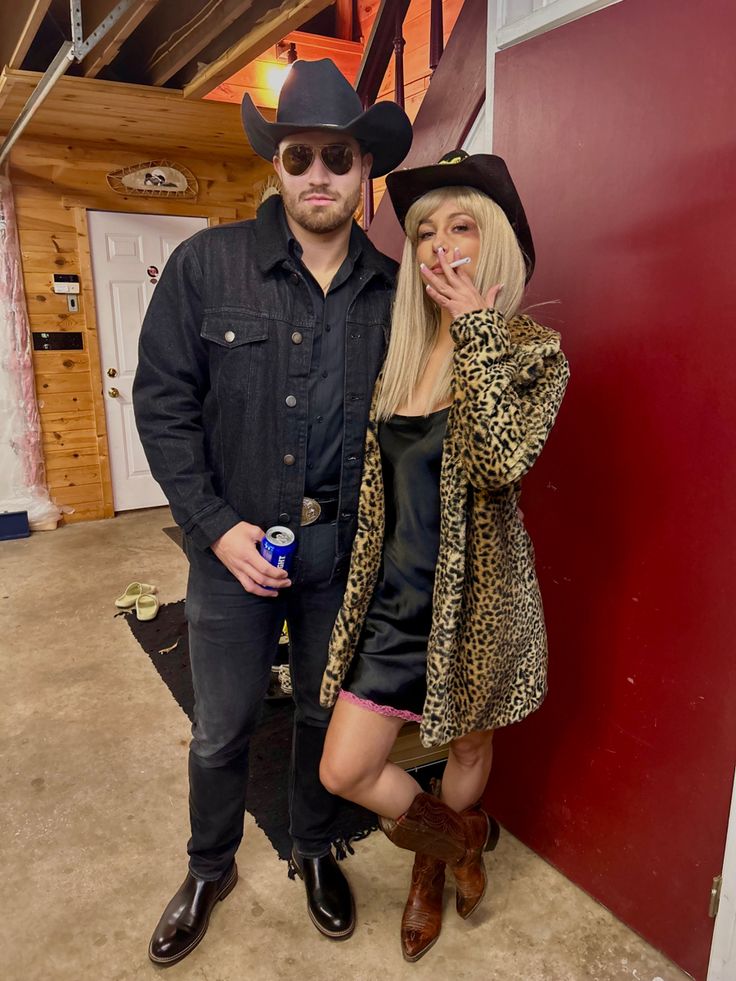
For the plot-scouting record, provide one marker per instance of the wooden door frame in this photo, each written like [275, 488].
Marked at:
[79, 208]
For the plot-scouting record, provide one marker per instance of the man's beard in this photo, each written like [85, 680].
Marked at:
[324, 218]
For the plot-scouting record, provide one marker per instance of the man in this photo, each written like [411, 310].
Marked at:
[258, 356]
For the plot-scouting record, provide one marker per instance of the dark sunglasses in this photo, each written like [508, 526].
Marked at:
[297, 158]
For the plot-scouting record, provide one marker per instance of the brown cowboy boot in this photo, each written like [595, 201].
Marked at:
[470, 872]
[430, 827]
[422, 919]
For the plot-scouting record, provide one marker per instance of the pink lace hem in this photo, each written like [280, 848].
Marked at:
[370, 706]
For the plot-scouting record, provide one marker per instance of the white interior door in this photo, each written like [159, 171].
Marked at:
[129, 253]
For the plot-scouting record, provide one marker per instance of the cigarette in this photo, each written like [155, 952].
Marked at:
[460, 262]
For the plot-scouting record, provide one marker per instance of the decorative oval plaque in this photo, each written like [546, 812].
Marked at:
[157, 178]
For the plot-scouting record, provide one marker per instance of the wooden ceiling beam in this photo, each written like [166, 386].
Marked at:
[103, 53]
[256, 78]
[283, 17]
[186, 40]
[21, 20]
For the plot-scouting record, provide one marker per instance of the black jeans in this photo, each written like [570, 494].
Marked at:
[233, 637]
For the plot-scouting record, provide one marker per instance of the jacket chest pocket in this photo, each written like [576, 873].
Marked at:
[237, 347]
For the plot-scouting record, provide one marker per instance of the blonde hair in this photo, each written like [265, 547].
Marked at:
[415, 319]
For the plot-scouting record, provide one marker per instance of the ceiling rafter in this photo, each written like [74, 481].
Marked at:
[206, 23]
[94, 12]
[280, 17]
[21, 21]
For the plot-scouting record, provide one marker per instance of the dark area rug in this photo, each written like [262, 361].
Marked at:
[166, 643]
[176, 535]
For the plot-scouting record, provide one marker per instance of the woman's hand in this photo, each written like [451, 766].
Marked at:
[454, 290]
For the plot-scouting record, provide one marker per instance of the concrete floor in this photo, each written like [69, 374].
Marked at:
[93, 799]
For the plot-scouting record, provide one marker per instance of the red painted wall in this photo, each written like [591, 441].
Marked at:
[620, 130]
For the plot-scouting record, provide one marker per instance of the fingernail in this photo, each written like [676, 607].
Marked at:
[422, 265]
[441, 250]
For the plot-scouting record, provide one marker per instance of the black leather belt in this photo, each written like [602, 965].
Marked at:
[316, 511]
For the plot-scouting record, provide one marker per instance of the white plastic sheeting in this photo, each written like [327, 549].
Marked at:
[22, 479]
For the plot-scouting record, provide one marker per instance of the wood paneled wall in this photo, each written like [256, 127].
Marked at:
[53, 185]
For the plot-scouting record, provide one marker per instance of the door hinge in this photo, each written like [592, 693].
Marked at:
[715, 896]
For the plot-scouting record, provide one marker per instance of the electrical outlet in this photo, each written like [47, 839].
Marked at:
[72, 303]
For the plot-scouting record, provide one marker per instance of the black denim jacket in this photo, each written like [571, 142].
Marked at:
[227, 339]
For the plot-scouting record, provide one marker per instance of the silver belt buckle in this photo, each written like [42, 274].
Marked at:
[311, 511]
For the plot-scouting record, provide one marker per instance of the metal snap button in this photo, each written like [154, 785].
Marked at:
[229, 336]
[296, 337]
[289, 460]
[291, 401]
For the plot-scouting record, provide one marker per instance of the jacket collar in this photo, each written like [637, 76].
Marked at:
[273, 243]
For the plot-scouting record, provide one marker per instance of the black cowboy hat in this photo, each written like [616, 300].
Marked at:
[483, 171]
[316, 95]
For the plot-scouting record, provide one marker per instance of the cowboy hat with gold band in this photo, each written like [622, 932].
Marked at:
[317, 96]
[483, 171]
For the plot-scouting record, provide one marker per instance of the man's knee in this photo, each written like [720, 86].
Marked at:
[215, 746]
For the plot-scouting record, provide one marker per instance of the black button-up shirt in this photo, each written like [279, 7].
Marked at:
[327, 371]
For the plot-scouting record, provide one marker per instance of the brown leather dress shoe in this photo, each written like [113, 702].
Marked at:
[185, 919]
[422, 919]
[470, 873]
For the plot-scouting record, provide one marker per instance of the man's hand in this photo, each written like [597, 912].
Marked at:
[455, 290]
[238, 551]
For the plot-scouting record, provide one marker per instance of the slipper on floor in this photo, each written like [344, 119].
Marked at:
[146, 606]
[132, 591]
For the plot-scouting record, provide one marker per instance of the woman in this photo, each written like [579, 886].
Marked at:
[442, 619]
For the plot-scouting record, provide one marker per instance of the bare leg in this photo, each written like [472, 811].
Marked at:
[354, 761]
[467, 770]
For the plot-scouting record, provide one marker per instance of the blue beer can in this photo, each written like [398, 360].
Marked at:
[278, 547]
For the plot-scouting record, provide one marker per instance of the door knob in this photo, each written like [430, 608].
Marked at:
[113, 393]
[112, 372]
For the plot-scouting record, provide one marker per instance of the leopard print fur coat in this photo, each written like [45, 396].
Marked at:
[487, 650]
